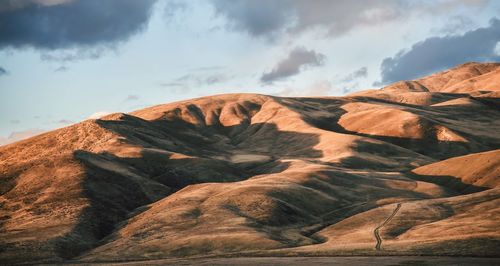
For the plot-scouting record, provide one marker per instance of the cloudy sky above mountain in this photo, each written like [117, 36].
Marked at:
[62, 61]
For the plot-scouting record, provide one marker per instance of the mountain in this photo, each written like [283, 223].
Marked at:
[410, 169]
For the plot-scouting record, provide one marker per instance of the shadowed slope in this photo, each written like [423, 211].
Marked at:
[49, 192]
[464, 225]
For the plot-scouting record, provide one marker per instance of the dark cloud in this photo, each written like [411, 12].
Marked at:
[15, 121]
[11, 5]
[266, 18]
[73, 55]
[360, 73]
[255, 17]
[3, 71]
[438, 53]
[132, 98]
[298, 59]
[81, 24]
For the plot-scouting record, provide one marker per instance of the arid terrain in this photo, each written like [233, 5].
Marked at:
[407, 170]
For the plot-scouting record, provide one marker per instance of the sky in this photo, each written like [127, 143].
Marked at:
[64, 61]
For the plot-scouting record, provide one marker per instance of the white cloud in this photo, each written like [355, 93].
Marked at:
[99, 114]
[497, 49]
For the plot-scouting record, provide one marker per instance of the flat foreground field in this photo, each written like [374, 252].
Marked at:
[290, 261]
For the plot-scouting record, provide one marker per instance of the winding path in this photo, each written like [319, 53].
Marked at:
[376, 231]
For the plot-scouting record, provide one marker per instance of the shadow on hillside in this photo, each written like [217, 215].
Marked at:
[429, 145]
[491, 102]
[354, 193]
[447, 181]
[116, 186]
[359, 193]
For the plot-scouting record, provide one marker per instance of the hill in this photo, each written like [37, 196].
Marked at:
[409, 169]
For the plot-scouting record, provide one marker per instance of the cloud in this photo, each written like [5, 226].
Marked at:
[348, 88]
[183, 83]
[15, 122]
[65, 121]
[214, 79]
[3, 71]
[132, 98]
[61, 69]
[438, 53]
[20, 135]
[455, 25]
[72, 55]
[173, 8]
[176, 87]
[66, 24]
[255, 17]
[297, 60]
[268, 18]
[11, 5]
[360, 73]
[349, 82]
[99, 114]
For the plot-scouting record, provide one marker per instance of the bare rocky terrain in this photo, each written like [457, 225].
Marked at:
[410, 169]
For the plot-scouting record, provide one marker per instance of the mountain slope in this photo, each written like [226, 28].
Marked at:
[478, 169]
[255, 174]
